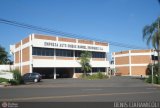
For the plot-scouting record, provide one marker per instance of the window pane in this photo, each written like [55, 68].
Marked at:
[65, 53]
[42, 51]
[98, 54]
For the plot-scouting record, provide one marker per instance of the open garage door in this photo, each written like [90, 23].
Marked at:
[45, 72]
[60, 72]
[64, 72]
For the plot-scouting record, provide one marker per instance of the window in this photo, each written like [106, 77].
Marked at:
[98, 55]
[98, 69]
[42, 51]
[78, 70]
[65, 53]
[78, 53]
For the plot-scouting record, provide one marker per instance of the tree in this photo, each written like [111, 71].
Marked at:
[151, 33]
[149, 69]
[3, 56]
[85, 61]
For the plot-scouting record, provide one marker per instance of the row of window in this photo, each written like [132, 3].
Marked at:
[42, 51]
[65, 53]
[78, 70]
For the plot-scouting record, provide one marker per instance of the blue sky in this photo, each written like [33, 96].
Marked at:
[115, 20]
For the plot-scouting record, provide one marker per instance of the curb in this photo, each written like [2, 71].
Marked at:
[157, 85]
[2, 86]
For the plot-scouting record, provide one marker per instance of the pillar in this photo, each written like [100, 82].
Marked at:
[74, 75]
[54, 73]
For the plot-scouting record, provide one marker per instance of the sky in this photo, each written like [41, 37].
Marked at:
[109, 20]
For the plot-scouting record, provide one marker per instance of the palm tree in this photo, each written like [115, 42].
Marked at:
[152, 35]
[85, 61]
[3, 56]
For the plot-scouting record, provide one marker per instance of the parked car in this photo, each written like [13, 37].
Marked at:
[32, 77]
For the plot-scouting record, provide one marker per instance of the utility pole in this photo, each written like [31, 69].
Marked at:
[152, 74]
[158, 47]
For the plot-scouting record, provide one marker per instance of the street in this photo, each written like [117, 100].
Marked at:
[78, 90]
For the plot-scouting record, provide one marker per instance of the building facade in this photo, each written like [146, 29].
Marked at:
[57, 56]
[132, 62]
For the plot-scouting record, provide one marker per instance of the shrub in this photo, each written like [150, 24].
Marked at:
[98, 75]
[14, 82]
[3, 80]
[155, 79]
[158, 79]
[17, 77]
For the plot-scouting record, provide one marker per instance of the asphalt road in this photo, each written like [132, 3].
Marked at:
[77, 90]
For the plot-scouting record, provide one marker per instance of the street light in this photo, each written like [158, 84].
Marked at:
[153, 63]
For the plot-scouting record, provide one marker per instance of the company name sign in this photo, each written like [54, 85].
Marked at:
[68, 45]
[72, 46]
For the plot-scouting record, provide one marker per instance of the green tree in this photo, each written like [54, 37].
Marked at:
[85, 61]
[155, 70]
[151, 33]
[3, 56]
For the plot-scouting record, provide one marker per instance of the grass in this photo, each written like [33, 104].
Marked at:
[3, 80]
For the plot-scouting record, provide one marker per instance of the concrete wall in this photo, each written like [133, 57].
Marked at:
[6, 67]
[4, 74]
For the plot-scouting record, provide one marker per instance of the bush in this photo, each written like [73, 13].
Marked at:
[156, 79]
[98, 75]
[17, 77]
[14, 82]
[3, 80]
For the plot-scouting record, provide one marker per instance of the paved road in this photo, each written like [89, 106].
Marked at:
[77, 90]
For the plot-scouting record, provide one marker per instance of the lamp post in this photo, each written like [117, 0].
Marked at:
[153, 63]
[152, 74]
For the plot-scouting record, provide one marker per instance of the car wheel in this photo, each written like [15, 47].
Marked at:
[35, 80]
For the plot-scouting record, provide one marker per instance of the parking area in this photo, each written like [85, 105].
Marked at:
[78, 90]
[114, 81]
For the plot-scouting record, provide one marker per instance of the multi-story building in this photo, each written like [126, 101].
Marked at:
[53, 56]
[132, 62]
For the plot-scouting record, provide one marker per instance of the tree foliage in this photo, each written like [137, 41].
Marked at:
[155, 69]
[85, 61]
[151, 33]
[3, 55]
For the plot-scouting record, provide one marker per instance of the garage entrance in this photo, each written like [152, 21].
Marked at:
[64, 72]
[49, 72]
[45, 72]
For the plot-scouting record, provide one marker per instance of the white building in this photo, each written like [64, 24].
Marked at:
[57, 56]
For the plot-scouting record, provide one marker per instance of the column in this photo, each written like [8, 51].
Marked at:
[130, 70]
[21, 58]
[30, 48]
[74, 75]
[54, 54]
[74, 55]
[106, 71]
[54, 73]
[91, 71]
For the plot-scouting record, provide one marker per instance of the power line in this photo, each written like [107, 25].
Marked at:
[64, 34]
